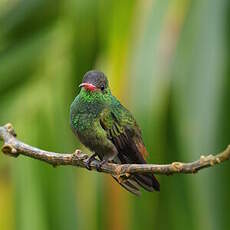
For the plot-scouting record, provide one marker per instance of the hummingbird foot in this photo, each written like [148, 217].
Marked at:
[98, 167]
[89, 160]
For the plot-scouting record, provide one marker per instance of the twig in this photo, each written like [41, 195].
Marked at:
[13, 147]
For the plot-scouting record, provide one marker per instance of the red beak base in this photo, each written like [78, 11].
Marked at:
[88, 86]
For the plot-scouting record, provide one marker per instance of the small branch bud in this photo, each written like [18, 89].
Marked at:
[9, 150]
[9, 127]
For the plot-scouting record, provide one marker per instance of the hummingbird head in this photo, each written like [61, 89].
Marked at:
[95, 81]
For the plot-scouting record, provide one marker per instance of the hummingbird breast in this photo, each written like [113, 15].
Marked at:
[86, 126]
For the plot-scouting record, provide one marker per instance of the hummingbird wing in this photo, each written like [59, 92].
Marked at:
[125, 134]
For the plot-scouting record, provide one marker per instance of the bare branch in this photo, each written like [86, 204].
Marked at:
[13, 147]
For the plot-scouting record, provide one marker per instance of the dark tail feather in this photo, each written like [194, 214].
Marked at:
[147, 181]
[130, 186]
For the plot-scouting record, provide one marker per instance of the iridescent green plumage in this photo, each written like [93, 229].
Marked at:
[108, 129]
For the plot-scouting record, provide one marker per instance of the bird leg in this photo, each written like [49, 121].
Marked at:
[98, 167]
[106, 158]
[89, 160]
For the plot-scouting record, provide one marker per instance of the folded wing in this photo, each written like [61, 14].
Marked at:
[123, 131]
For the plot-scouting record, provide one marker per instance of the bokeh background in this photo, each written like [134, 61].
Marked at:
[167, 61]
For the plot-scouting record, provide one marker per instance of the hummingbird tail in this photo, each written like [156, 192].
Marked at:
[130, 185]
[135, 182]
[147, 181]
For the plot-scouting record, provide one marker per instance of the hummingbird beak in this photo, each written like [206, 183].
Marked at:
[88, 86]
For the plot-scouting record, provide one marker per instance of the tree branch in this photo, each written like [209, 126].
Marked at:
[13, 147]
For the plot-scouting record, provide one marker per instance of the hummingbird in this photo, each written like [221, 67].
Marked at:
[108, 129]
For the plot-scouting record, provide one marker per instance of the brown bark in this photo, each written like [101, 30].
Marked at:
[14, 147]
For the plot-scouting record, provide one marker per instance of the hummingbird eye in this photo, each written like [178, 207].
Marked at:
[102, 88]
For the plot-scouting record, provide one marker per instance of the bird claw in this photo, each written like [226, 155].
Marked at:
[89, 160]
[88, 166]
[98, 167]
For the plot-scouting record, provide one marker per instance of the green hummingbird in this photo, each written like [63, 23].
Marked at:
[109, 130]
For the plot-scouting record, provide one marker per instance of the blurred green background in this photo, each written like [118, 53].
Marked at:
[167, 61]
